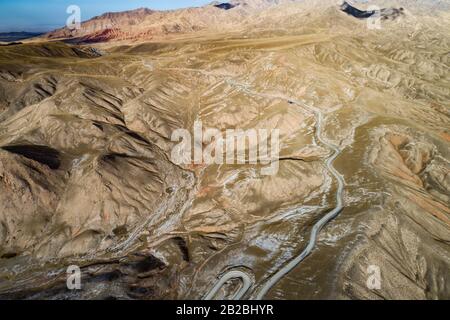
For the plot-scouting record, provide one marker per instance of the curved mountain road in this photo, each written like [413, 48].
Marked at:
[275, 278]
[247, 283]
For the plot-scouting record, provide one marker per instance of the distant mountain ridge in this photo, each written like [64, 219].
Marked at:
[16, 36]
[146, 24]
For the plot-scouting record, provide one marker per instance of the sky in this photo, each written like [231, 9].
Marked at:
[46, 15]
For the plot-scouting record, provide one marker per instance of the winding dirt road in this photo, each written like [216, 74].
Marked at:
[247, 283]
[247, 280]
[275, 278]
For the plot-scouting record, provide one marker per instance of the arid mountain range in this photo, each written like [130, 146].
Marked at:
[363, 110]
[236, 17]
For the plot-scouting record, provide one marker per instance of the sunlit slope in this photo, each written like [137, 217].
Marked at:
[86, 174]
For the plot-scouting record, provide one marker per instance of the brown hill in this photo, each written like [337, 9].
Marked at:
[236, 16]
[87, 175]
[146, 24]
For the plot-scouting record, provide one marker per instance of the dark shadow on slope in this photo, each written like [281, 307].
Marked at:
[137, 276]
[10, 44]
[384, 14]
[42, 154]
[225, 6]
[360, 14]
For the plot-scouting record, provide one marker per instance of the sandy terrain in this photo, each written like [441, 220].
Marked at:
[86, 175]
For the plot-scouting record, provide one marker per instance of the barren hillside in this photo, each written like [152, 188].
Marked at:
[87, 178]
